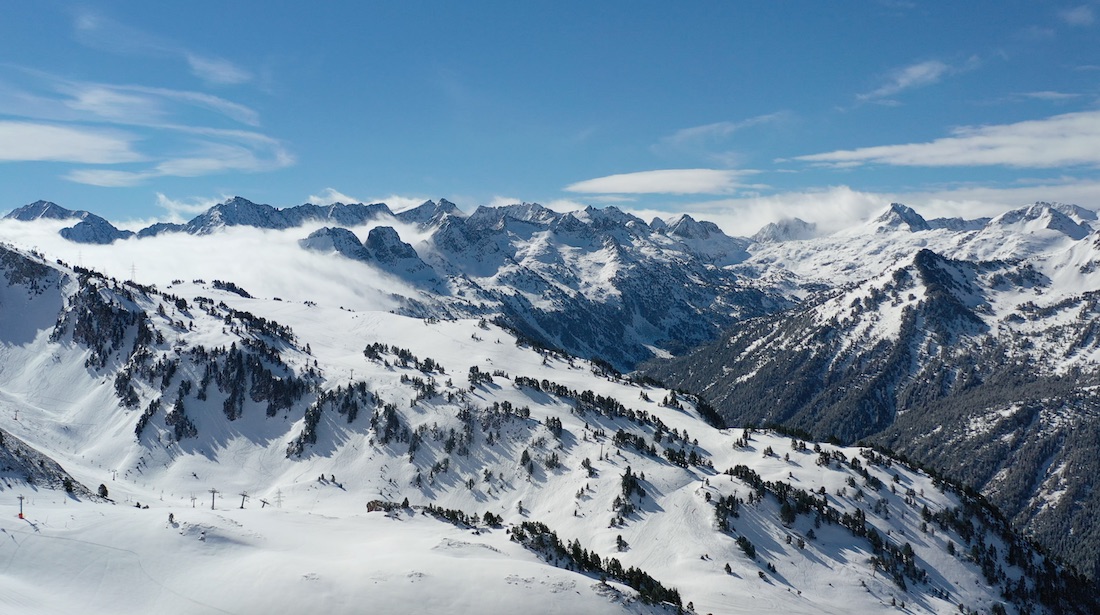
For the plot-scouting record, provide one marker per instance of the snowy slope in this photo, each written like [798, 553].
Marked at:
[455, 414]
[992, 380]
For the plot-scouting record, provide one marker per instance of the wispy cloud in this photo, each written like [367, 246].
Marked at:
[35, 141]
[101, 32]
[37, 94]
[1062, 140]
[664, 181]
[181, 210]
[1078, 16]
[908, 77]
[710, 142]
[171, 131]
[720, 130]
[611, 199]
[216, 70]
[328, 196]
[1049, 95]
[234, 151]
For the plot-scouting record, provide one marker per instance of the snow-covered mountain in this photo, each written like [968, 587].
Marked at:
[261, 454]
[89, 228]
[986, 368]
[785, 230]
[967, 345]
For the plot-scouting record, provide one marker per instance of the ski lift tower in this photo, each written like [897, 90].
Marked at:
[21, 507]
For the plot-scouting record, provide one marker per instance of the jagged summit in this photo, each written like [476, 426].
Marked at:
[899, 217]
[339, 240]
[1076, 212]
[90, 229]
[790, 229]
[235, 211]
[385, 245]
[1047, 216]
[429, 213]
[94, 230]
[383, 248]
[686, 227]
[485, 217]
[44, 210]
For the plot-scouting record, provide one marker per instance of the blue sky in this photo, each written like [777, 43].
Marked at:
[739, 112]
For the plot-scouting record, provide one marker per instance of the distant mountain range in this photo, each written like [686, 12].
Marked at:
[597, 283]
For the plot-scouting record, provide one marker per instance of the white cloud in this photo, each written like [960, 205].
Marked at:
[100, 32]
[147, 106]
[235, 150]
[1049, 95]
[228, 108]
[1078, 16]
[181, 210]
[108, 178]
[913, 76]
[611, 199]
[719, 130]
[328, 196]
[705, 142]
[32, 141]
[398, 203]
[111, 104]
[61, 99]
[664, 181]
[1062, 140]
[216, 70]
[174, 141]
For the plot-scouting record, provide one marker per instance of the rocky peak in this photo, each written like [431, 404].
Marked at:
[429, 213]
[791, 229]
[44, 210]
[95, 230]
[339, 240]
[1046, 216]
[899, 217]
[385, 245]
[237, 211]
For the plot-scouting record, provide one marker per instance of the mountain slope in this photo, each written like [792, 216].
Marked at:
[328, 419]
[986, 369]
